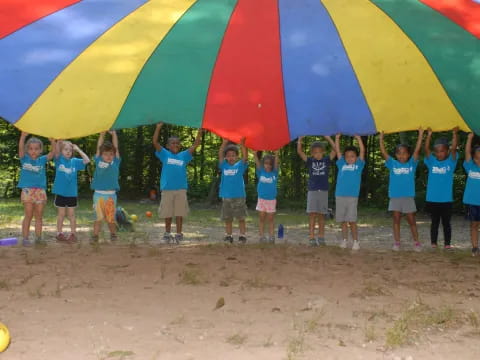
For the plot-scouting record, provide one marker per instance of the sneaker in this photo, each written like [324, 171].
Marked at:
[228, 238]
[26, 242]
[242, 239]
[167, 237]
[94, 239]
[113, 237]
[313, 242]
[417, 247]
[321, 242]
[448, 247]
[344, 244]
[39, 241]
[61, 237]
[396, 246]
[434, 246]
[356, 245]
[475, 251]
[262, 239]
[72, 238]
[271, 239]
[178, 238]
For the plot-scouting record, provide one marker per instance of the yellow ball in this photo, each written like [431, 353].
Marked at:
[134, 217]
[4, 337]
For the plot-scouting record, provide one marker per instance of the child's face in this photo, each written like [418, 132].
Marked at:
[107, 156]
[402, 154]
[441, 152]
[268, 165]
[67, 151]
[350, 157]
[317, 152]
[174, 145]
[231, 157]
[34, 150]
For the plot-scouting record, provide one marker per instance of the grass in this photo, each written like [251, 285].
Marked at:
[191, 277]
[370, 334]
[296, 346]
[237, 339]
[4, 285]
[119, 354]
[371, 290]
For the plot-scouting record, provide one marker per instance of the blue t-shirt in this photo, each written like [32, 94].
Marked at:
[65, 183]
[232, 184]
[318, 173]
[106, 174]
[349, 177]
[267, 184]
[32, 172]
[402, 177]
[440, 178]
[471, 196]
[174, 169]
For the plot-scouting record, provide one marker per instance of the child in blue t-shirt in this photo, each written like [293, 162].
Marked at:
[350, 167]
[471, 196]
[33, 182]
[232, 188]
[401, 188]
[105, 184]
[173, 181]
[317, 197]
[441, 168]
[267, 174]
[65, 185]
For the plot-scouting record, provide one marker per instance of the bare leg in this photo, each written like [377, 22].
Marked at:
[321, 226]
[97, 226]
[271, 224]
[474, 233]
[243, 226]
[27, 219]
[397, 217]
[261, 223]
[311, 224]
[413, 226]
[113, 228]
[345, 230]
[38, 214]
[228, 227]
[179, 223]
[354, 230]
[73, 220]
[60, 218]
[168, 225]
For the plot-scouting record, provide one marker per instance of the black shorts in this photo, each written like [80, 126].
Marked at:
[65, 201]
[473, 212]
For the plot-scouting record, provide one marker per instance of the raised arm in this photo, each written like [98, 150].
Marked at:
[21, 144]
[300, 152]
[428, 140]
[101, 139]
[156, 144]
[337, 145]
[468, 147]
[418, 147]
[382, 147]
[221, 151]
[453, 151]
[197, 142]
[276, 163]
[115, 142]
[53, 149]
[361, 145]
[84, 156]
[58, 148]
[243, 150]
[333, 152]
[258, 163]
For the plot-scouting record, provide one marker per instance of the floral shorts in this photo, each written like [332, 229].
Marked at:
[268, 206]
[104, 206]
[33, 195]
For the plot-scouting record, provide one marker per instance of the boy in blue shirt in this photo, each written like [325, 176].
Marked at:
[471, 196]
[317, 197]
[65, 185]
[441, 168]
[105, 184]
[267, 173]
[350, 167]
[173, 181]
[33, 182]
[232, 188]
[401, 188]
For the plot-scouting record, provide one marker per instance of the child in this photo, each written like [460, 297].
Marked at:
[173, 181]
[317, 198]
[267, 172]
[65, 185]
[350, 166]
[232, 188]
[471, 197]
[33, 182]
[401, 188]
[105, 184]
[441, 167]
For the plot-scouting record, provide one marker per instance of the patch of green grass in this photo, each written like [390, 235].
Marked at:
[296, 346]
[191, 277]
[473, 319]
[371, 290]
[119, 354]
[237, 339]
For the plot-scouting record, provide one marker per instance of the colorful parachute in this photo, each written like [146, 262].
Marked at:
[269, 70]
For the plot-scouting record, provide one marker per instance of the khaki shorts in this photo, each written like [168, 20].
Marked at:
[405, 205]
[234, 208]
[317, 202]
[346, 209]
[173, 203]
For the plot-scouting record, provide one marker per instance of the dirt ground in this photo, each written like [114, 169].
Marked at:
[141, 299]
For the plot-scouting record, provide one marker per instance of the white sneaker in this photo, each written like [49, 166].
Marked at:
[343, 244]
[356, 245]
[396, 246]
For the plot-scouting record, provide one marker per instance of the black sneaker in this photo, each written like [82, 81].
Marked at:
[113, 237]
[475, 251]
[228, 238]
[242, 239]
